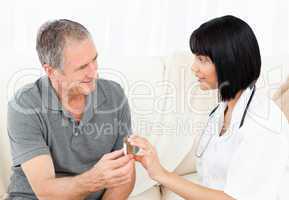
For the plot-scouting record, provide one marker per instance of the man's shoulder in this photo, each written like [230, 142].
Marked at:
[109, 84]
[28, 96]
[112, 92]
[110, 88]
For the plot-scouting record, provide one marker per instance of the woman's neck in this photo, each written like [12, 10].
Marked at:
[228, 112]
[231, 103]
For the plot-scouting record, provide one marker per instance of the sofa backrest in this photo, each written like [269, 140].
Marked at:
[281, 97]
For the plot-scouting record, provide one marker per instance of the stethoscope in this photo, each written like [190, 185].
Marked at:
[199, 153]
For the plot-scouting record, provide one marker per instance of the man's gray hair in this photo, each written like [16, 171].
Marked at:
[52, 38]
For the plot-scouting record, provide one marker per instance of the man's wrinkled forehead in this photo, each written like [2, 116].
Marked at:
[77, 54]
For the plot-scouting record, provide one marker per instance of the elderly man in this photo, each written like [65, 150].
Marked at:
[66, 130]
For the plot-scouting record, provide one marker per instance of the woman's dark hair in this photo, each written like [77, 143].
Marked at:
[232, 46]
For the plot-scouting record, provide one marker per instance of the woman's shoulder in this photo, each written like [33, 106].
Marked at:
[265, 118]
[266, 128]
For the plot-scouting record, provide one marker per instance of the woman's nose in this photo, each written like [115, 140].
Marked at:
[195, 68]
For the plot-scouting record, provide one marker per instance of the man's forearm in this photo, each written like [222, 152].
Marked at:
[70, 188]
[62, 188]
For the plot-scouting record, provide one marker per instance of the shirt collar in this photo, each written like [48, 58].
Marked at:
[237, 113]
[240, 107]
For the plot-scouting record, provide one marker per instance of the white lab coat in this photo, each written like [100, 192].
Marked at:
[251, 162]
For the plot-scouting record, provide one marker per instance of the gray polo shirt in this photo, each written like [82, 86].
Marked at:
[38, 124]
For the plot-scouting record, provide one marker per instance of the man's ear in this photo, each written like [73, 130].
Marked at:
[50, 71]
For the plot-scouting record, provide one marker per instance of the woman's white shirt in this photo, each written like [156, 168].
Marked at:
[251, 162]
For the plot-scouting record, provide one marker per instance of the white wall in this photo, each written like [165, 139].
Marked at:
[128, 28]
[135, 27]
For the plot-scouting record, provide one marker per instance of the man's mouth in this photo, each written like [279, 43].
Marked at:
[87, 81]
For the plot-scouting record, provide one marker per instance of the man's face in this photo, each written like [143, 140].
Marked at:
[79, 70]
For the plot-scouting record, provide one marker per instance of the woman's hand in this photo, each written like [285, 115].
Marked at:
[147, 157]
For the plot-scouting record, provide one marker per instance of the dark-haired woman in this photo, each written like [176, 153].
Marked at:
[243, 152]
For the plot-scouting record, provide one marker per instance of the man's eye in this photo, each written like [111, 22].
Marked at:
[82, 67]
[94, 59]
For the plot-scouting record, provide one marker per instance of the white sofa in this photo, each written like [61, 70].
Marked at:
[167, 107]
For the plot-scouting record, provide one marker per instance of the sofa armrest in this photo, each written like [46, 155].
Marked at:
[153, 193]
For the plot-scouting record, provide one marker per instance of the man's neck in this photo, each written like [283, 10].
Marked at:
[73, 103]
[76, 106]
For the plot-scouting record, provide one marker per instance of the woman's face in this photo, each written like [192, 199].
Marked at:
[205, 71]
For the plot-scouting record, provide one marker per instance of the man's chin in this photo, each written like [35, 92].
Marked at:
[88, 88]
[83, 89]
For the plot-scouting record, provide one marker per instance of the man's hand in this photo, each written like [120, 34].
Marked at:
[113, 169]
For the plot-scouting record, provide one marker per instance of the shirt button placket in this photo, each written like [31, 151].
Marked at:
[76, 130]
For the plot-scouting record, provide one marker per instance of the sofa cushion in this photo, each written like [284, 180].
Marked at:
[182, 115]
[193, 107]
[153, 193]
[2, 190]
[188, 164]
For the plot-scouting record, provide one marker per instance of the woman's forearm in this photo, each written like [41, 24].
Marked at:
[189, 190]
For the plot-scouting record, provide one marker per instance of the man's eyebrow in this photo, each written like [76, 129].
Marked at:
[82, 66]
